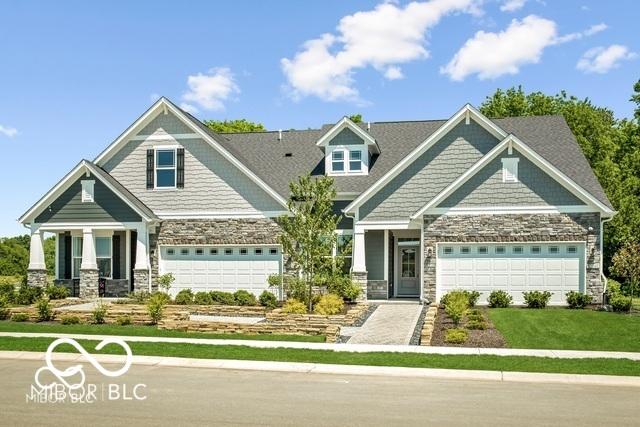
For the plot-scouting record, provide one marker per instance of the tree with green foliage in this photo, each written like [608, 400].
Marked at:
[234, 126]
[309, 230]
[14, 256]
[626, 265]
[356, 118]
[611, 146]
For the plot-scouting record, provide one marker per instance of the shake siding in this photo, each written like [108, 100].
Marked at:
[168, 123]
[433, 171]
[346, 137]
[212, 183]
[374, 254]
[535, 188]
[68, 207]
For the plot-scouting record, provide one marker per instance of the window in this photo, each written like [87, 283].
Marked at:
[165, 168]
[517, 249]
[448, 250]
[76, 259]
[355, 158]
[257, 251]
[213, 252]
[483, 250]
[500, 249]
[170, 251]
[273, 251]
[244, 251]
[228, 251]
[199, 251]
[510, 169]
[87, 191]
[554, 249]
[344, 248]
[184, 251]
[535, 249]
[465, 250]
[572, 250]
[103, 256]
[337, 161]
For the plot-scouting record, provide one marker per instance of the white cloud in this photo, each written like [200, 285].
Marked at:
[594, 29]
[601, 60]
[8, 131]
[512, 5]
[381, 38]
[209, 91]
[491, 55]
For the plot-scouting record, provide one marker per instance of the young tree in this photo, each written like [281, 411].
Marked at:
[309, 230]
[626, 265]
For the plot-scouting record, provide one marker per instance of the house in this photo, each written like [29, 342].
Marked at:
[428, 206]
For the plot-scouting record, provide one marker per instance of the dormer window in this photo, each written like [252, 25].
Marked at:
[347, 160]
[337, 161]
[355, 160]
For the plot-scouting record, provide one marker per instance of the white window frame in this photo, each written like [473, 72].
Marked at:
[510, 169]
[88, 190]
[347, 151]
[156, 168]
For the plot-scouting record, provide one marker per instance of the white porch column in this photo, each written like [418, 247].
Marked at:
[36, 250]
[359, 261]
[142, 257]
[88, 250]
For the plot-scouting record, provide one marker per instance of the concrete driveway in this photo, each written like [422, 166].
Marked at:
[187, 396]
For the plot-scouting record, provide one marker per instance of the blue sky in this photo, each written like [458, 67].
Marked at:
[74, 75]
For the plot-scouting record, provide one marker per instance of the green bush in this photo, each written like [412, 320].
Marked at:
[7, 290]
[456, 305]
[537, 299]
[56, 292]
[297, 289]
[329, 304]
[275, 280]
[165, 281]
[69, 319]
[4, 307]
[27, 295]
[123, 320]
[476, 324]
[202, 298]
[294, 306]
[19, 317]
[155, 306]
[99, 313]
[164, 297]
[341, 285]
[184, 297]
[499, 299]
[620, 303]
[267, 299]
[455, 336]
[614, 288]
[222, 298]
[140, 297]
[578, 299]
[472, 297]
[43, 307]
[243, 297]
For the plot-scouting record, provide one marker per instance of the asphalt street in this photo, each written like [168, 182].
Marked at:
[189, 396]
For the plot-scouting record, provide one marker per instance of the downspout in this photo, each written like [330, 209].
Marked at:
[602, 276]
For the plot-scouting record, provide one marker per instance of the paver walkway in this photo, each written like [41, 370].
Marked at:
[390, 324]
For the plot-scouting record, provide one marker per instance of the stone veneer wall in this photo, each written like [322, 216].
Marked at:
[37, 278]
[377, 289]
[360, 278]
[514, 228]
[89, 283]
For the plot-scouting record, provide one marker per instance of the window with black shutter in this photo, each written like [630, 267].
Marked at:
[150, 169]
[180, 168]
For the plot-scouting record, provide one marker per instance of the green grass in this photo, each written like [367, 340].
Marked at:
[564, 329]
[492, 363]
[143, 331]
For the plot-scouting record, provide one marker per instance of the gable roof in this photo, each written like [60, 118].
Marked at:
[347, 123]
[78, 170]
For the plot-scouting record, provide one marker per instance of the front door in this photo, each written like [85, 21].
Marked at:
[408, 273]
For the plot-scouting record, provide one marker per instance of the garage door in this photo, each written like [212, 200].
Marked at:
[221, 268]
[514, 268]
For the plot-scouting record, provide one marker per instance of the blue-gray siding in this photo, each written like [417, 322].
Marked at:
[374, 254]
[535, 187]
[429, 174]
[346, 137]
[68, 207]
[345, 223]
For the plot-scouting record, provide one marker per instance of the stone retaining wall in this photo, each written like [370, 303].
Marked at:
[222, 310]
[428, 325]
[347, 319]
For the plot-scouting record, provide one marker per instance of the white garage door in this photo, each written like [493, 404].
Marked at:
[515, 268]
[209, 268]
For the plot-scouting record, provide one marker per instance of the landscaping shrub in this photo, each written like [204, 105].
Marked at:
[620, 303]
[294, 306]
[7, 290]
[267, 299]
[455, 336]
[165, 281]
[275, 280]
[329, 304]
[340, 285]
[69, 319]
[476, 324]
[222, 298]
[613, 289]
[297, 289]
[56, 292]
[140, 297]
[43, 307]
[27, 295]
[472, 297]
[99, 313]
[19, 317]
[155, 306]
[202, 298]
[4, 307]
[184, 297]
[243, 297]
[537, 299]
[122, 301]
[499, 299]
[456, 305]
[123, 320]
[578, 299]
[165, 298]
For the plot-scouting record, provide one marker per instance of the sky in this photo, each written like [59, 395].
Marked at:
[74, 75]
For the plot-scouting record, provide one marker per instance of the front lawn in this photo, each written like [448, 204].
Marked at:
[485, 362]
[144, 331]
[564, 329]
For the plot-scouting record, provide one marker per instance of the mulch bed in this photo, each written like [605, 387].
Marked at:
[488, 338]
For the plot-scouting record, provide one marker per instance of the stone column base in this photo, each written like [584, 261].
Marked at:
[37, 278]
[141, 280]
[360, 278]
[89, 283]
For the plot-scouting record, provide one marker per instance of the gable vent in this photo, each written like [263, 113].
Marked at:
[288, 154]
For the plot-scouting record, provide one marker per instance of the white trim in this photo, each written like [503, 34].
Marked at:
[69, 226]
[510, 168]
[386, 258]
[424, 146]
[344, 123]
[219, 214]
[127, 254]
[166, 105]
[346, 151]
[88, 190]
[164, 137]
[57, 261]
[174, 168]
[500, 210]
[531, 155]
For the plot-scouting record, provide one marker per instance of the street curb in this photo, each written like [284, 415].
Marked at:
[358, 370]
